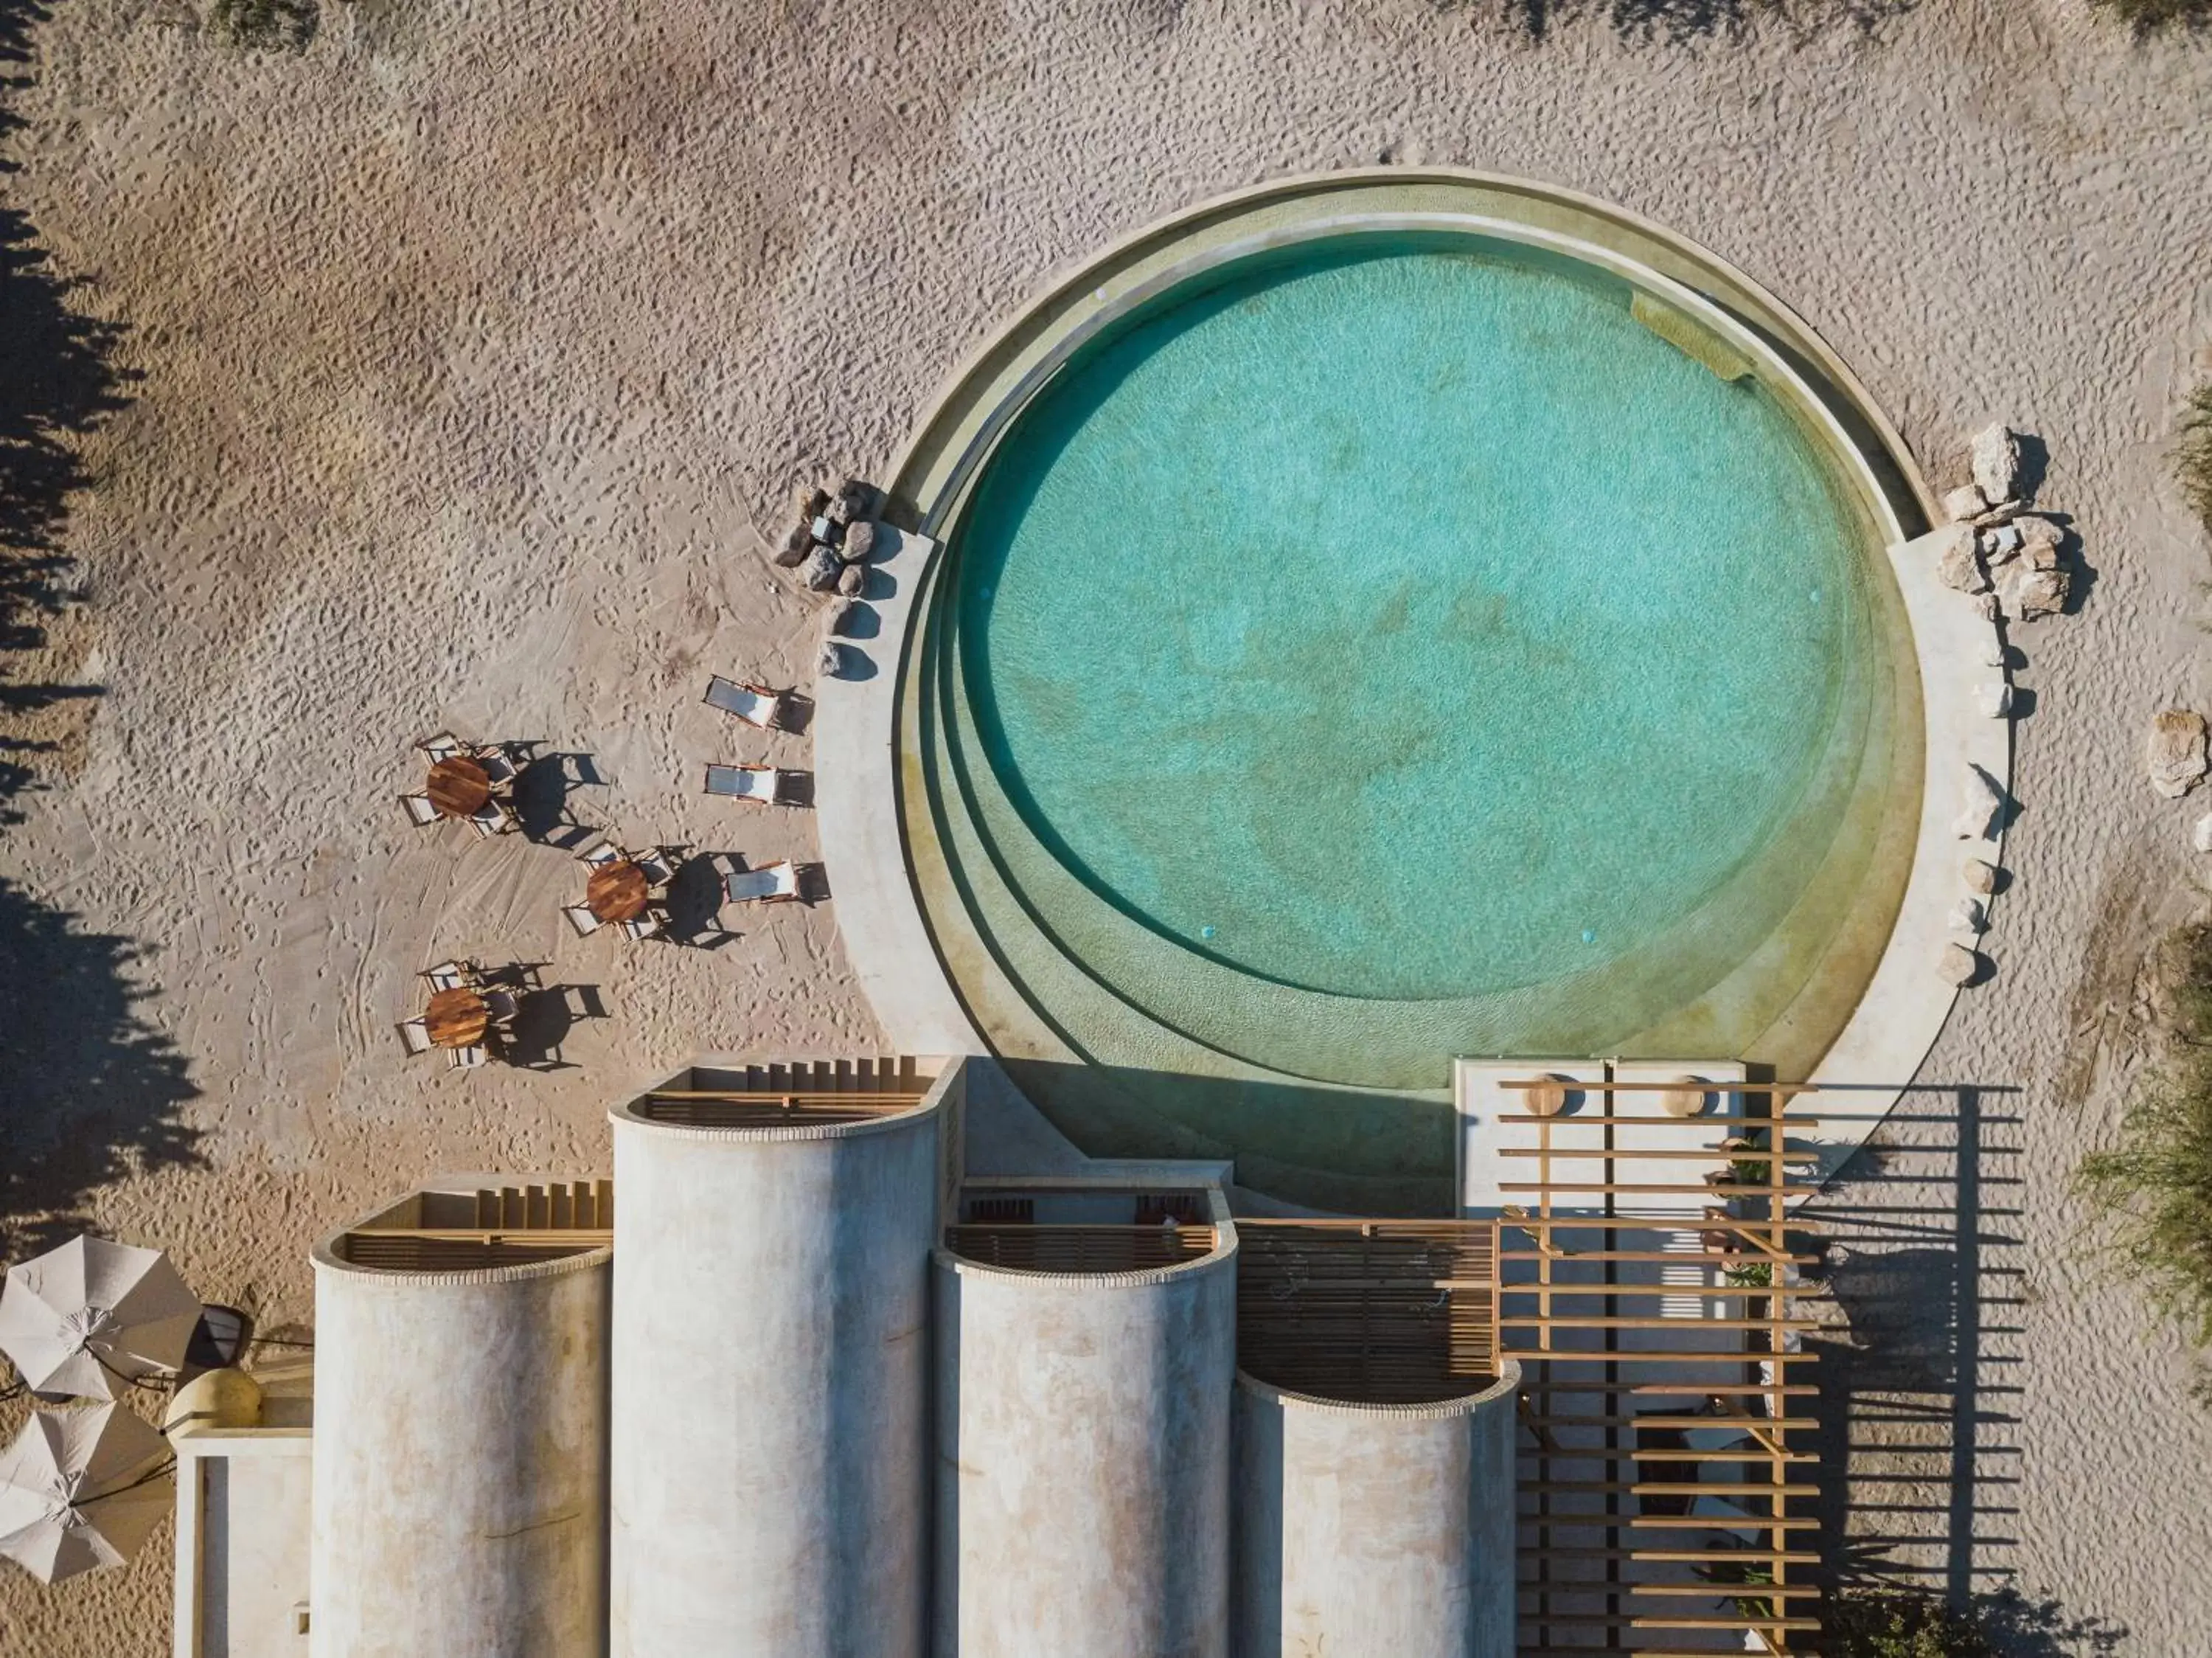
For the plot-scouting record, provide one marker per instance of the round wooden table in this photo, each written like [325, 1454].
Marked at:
[458, 787]
[456, 1018]
[616, 891]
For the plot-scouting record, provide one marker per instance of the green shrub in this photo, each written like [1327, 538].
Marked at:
[1886, 1624]
[2158, 13]
[2194, 459]
[265, 25]
[2153, 1189]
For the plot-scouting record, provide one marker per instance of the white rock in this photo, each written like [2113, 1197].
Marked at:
[2201, 836]
[1957, 965]
[2175, 753]
[2026, 593]
[1990, 650]
[1967, 916]
[1964, 502]
[1986, 606]
[821, 570]
[2000, 544]
[1981, 805]
[831, 661]
[1981, 876]
[2040, 539]
[839, 613]
[1994, 700]
[2002, 512]
[1996, 462]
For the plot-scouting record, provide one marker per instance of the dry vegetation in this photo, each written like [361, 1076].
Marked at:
[2193, 461]
[2159, 13]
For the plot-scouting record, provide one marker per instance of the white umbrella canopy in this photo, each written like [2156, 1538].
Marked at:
[79, 1319]
[79, 1490]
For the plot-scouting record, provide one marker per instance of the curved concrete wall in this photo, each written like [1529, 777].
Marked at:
[770, 1451]
[460, 1486]
[1375, 1528]
[1082, 1450]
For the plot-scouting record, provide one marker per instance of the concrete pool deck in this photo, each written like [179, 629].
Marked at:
[870, 755]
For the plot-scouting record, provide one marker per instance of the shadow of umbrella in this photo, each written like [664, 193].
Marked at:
[541, 798]
[543, 1020]
[694, 902]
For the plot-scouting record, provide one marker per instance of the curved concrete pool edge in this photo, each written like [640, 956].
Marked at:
[868, 760]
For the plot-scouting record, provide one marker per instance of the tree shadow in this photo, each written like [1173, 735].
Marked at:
[1685, 19]
[90, 1089]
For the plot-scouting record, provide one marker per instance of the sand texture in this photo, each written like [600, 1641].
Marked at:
[449, 371]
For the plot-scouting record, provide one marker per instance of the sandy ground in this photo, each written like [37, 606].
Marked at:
[445, 372]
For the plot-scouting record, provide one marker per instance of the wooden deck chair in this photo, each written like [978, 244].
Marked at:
[502, 1004]
[498, 765]
[581, 918]
[494, 819]
[420, 812]
[598, 854]
[465, 1058]
[762, 785]
[659, 868]
[772, 883]
[446, 976]
[416, 1034]
[755, 704]
[442, 746]
[651, 925]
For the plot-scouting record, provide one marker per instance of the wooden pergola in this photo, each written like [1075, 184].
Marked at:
[1643, 1286]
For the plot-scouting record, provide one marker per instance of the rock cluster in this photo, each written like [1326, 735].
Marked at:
[2177, 755]
[2011, 561]
[829, 546]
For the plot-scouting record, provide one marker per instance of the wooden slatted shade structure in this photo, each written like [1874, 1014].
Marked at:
[818, 1093]
[490, 1226]
[1666, 1411]
[1024, 1247]
[1375, 1311]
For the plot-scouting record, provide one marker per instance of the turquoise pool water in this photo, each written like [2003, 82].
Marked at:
[1405, 622]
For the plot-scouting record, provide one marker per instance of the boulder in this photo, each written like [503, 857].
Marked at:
[1999, 545]
[2040, 539]
[2026, 593]
[1988, 649]
[1995, 699]
[827, 530]
[859, 543]
[1981, 876]
[813, 502]
[831, 661]
[2177, 753]
[1957, 965]
[1996, 462]
[1967, 916]
[852, 579]
[1986, 606]
[1964, 503]
[1981, 807]
[792, 554]
[2003, 513]
[1957, 563]
[822, 569]
[2201, 836]
[839, 613]
[858, 499]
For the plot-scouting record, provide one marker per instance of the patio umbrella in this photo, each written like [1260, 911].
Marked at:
[81, 1317]
[81, 1489]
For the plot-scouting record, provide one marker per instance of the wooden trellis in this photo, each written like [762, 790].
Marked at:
[1663, 1476]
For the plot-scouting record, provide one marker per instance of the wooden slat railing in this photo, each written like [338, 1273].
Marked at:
[1023, 1247]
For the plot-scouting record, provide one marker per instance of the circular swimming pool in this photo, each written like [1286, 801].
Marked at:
[1401, 644]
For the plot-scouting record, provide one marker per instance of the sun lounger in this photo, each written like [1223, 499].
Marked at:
[442, 746]
[753, 704]
[465, 1058]
[416, 1034]
[581, 918]
[762, 784]
[420, 812]
[772, 883]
